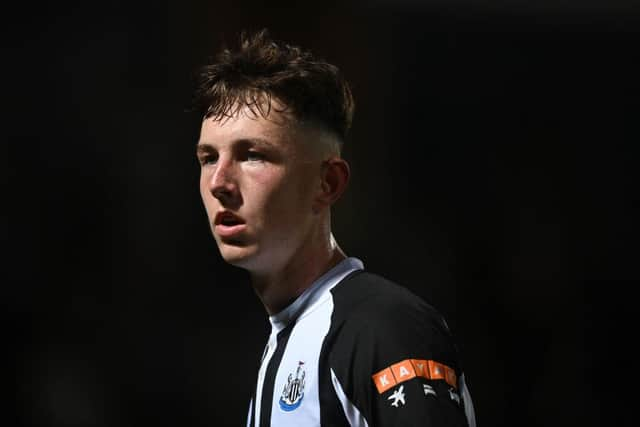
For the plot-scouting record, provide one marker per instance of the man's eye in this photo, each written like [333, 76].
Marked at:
[254, 156]
[208, 160]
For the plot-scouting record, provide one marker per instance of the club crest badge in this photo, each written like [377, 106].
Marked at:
[293, 391]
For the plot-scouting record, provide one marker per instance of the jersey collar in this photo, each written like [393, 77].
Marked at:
[314, 293]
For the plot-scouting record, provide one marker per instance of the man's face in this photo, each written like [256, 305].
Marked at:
[258, 180]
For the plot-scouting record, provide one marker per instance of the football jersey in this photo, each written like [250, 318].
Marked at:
[356, 349]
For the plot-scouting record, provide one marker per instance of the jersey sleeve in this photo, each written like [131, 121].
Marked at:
[397, 364]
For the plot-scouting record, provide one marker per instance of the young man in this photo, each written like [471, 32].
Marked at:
[347, 348]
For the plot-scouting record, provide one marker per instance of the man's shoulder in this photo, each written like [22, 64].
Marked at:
[379, 322]
[366, 296]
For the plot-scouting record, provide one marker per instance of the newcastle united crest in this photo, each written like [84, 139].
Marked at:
[293, 390]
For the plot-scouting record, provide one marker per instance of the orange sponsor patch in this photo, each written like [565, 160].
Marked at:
[421, 368]
[412, 368]
[384, 380]
[437, 370]
[450, 377]
[403, 371]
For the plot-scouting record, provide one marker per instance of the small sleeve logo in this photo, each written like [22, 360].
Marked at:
[397, 397]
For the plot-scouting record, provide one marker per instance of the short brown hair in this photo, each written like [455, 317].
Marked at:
[262, 69]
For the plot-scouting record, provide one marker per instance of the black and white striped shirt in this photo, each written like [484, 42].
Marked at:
[358, 350]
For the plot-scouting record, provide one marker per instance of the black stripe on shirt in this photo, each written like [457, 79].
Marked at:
[270, 376]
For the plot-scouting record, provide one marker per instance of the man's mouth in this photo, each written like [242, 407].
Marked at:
[227, 224]
[228, 219]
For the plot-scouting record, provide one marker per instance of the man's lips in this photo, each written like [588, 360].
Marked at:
[226, 224]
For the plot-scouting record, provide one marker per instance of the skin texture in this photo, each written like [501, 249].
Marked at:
[280, 178]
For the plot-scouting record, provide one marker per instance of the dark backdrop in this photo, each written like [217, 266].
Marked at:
[494, 173]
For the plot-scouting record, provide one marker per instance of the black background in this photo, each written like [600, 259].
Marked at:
[494, 170]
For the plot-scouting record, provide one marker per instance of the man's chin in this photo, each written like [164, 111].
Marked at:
[238, 256]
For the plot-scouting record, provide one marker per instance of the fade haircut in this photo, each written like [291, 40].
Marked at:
[263, 69]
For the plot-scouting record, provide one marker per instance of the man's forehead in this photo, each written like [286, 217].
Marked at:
[269, 132]
[251, 114]
[279, 129]
[255, 106]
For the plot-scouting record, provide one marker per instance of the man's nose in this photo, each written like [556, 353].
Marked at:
[223, 185]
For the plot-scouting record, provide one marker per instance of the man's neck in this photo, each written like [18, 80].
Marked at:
[279, 289]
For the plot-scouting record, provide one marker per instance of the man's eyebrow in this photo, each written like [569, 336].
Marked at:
[204, 148]
[260, 142]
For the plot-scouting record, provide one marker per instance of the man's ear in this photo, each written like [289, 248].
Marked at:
[334, 178]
